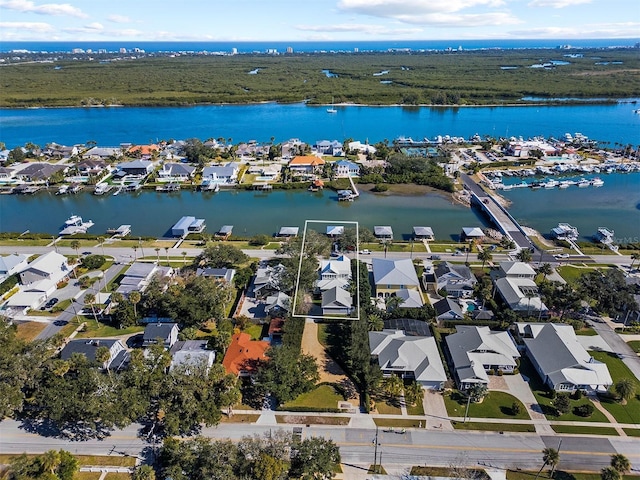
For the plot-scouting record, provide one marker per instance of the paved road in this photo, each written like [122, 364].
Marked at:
[415, 447]
[618, 345]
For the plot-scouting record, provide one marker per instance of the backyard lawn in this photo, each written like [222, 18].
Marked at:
[323, 396]
[92, 330]
[629, 413]
[494, 405]
[635, 345]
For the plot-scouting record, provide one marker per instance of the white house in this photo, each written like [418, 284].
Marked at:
[221, 174]
[44, 273]
[12, 264]
[345, 168]
[410, 357]
[456, 280]
[176, 172]
[191, 354]
[514, 282]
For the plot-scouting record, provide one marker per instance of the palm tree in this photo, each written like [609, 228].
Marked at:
[610, 473]
[101, 240]
[620, 463]
[485, 256]
[375, 322]
[524, 255]
[634, 257]
[102, 357]
[157, 254]
[184, 257]
[551, 457]
[166, 253]
[50, 461]
[545, 269]
[90, 298]
[134, 298]
[626, 389]
[135, 252]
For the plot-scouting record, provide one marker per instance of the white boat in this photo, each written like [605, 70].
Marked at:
[583, 182]
[64, 189]
[551, 184]
[74, 220]
[101, 188]
[332, 109]
[565, 184]
[597, 182]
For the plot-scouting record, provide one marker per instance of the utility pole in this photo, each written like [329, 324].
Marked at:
[375, 451]
[466, 411]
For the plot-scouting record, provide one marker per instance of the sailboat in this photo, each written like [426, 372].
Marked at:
[332, 109]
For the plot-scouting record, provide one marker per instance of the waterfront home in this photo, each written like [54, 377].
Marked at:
[471, 233]
[292, 147]
[160, 333]
[391, 276]
[221, 174]
[267, 280]
[44, 273]
[60, 151]
[564, 231]
[410, 357]
[92, 167]
[383, 232]
[473, 351]
[191, 353]
[423, 233]
[456, 280]
[39, 172]
[307, 164]
[221, 274]
[138, 168]
[360, 147]
[12, 264]
[448, 309]
[4, 155]
[333, 268]
[7, 173]
[143, 150]
[345, 168]
[102, 153]
[561, 361]
[176, 172]
[515, 285]
[118, 355]
[187, 225]
[138, 276]
[336, 301]
[243, 353]
[325, 147]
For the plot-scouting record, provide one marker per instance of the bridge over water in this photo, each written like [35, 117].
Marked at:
[502, 219]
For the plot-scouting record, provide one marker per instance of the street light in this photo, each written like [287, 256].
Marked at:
[140, 245]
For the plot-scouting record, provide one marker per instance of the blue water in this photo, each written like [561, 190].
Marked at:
[318, 46]
[110, 126]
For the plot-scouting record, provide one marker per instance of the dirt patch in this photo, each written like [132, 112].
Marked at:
[311, 419]
[328, 369]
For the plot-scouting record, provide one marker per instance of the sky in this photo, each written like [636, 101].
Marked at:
[316, 20]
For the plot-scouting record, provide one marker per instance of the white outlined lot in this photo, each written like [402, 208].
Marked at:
[356, 311]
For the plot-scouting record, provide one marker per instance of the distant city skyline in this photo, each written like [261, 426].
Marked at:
[316, 20]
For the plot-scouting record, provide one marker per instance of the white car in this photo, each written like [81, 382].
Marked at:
[562, 255]
[365, 252]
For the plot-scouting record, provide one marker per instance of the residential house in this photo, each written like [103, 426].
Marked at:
[92, 166]
[102, 153]
[345, 168]
[143, 150]
[12, 264]
[410, 298]
[456, 280]
[336, 301]
[176, 172]
[138, 276]
[188, 354]
[160, 333]
[306, 164]
[267, 281]
[561, 361]
[7, 173]
[515, 285]
[60, 151]
[325, 147]
[39, 172]
[335, 272]
[277, 304]
[360, 147]
[243, 353]
[4, 155]
[471, 233]
[293, 147]
[118, 355]
[448, 309]
[138, 168]
[44, 273]
[221, 174]
[391, 277]
[223, 274]
[475, 350]
[410, 357]
[383, 232]
[423, 233]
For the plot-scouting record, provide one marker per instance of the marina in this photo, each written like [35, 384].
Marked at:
[74, 224]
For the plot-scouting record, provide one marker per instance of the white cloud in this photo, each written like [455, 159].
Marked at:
[32, 27]
[57, 9]
[119, 19]
[603, 30]
[358, 28]
[557, 3]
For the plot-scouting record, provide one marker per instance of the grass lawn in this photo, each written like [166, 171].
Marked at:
[386, 408]
[586, 332]
[323, 396]
[632, 432]
[70, 327]
[570, 273]
[546, 402]
[322, 334]
[494, 427]
[417, 409]
[588, 430]
[117, 476]
[635, 345]
[255, 330]
[102, 330]
[29, 330]
[446, 472]
[558, 475]
[240, 418]
[88, 476]
[311, 419]
[494, 405]
[89, 460]
[399, 422]
[629, 413]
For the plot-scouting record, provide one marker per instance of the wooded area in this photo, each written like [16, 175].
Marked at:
[438, 78]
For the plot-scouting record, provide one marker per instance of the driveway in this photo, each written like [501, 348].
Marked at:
[516, 386]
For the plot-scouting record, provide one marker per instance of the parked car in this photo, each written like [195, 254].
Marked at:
[434, 257]
[51, 302]
[365, 252]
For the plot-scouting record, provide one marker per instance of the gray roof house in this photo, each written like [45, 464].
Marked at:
[410, 298]
[336, 301]
[136, 167]
[191, 353]
[457, 280]
[423, 233]
[13, 263]
[222, 274]
[391, 276]
[514, 282]
[40, 171]
[176, 171]
[267, 281]
[118, 355]
[223, 174]
[166, 332]
[277, 304]
[561, 361]
[474, 350]
[448, 309]
[410, 357]
[139, 275]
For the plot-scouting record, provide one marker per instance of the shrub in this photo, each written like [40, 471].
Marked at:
[577, 395]
[93, 262]
[260, 240]
[562, 403]
[380, 187]
[500, 372]
[585, 410]
[515, 408]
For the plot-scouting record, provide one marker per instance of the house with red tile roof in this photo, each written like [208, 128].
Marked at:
[242, 353]
[306, 164]
[143, 150]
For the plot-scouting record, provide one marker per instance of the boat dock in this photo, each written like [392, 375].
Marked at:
[121, 231]
[169, 187]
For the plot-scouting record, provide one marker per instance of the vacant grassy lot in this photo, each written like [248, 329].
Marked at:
[324, 396]
[311, 419]
[29, 330]
[101, 330]
[494, 405]
[440, 78]
[494, 427]
[629, 413]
